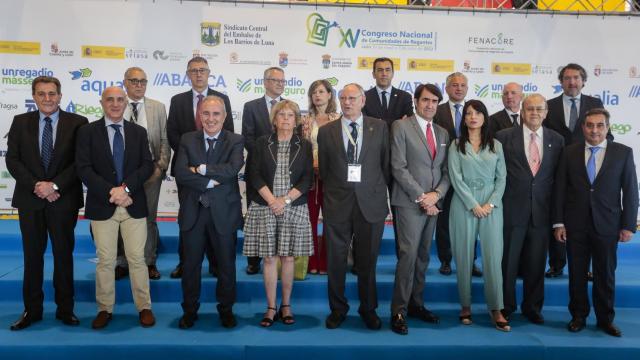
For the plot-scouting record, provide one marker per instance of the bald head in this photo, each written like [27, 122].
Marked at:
[534, 111]
[114, 101]
[512, 96]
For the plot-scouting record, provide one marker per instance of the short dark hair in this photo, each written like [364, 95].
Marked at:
[45, 80]
[573, 66]
[197, 59]
[430, 88]
[382, 59]
[599, 111]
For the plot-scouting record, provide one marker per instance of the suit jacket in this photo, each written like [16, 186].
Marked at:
[555, 118]
[94, 162]
[399, 105]
[443, 118]
[413, 169]
[264, 162]
[24, 162]
[255, 122]
[181, 118]
[371, 193]
[527, 197]
[156, 117]
[225, 200]
[500, 120]
[575, 197]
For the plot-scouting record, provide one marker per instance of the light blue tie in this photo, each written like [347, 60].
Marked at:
[591, 164]
[458, 119]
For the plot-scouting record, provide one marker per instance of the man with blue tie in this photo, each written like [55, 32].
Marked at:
[596, 207]
[116, 201]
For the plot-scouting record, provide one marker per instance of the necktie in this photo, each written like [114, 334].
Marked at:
[458, 119]
[134, 111]
[118, 152]
[47, 144]
[385, 106]
[351, 149]
[534, 155]
[204, 197]
[573, 115]
[272, 102]
[198, 119]
[515, 119]
[591, 164]
[431, 142]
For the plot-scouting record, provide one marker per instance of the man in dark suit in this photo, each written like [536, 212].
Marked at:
[596, 206]
[114, 162]
[47, 194]
[385, 101]
[207, 169]
[255, 123]
[354, 164]
[508, 117]
[449, 116]
[419, 167]
[531, 155]
[184, 118]
[566, 115]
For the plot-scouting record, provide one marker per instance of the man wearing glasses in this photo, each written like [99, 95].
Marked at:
[255, 123]
[151, 115]
[184, 117]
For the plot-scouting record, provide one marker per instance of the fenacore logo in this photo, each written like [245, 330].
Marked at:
[498, 40]
[210, 33]
[19, 76]
[175, 79]
[83, 109]
[621, 129]
[635, 91]
[80, 73]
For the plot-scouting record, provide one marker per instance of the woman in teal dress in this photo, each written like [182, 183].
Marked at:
[478, 175]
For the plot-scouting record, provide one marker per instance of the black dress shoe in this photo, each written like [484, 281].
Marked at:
[213, 271]
[68, 319]
[187, 320]
[334, 320]
[371, 320]
[475, 271]
[610, 329]
[423, 314]
[253, 269]
[576, 325]
[445, 268]
[553, 273]
[26, 319]
[154, 274]
[535, 318]
[177, 272]
[121, 272]
[399, 324]
[227, 319]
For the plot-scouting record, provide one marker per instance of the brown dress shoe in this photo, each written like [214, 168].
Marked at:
[146, 318]
[154, 274]
[101, 320]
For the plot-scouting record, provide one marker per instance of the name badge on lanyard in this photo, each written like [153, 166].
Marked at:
[354, 171]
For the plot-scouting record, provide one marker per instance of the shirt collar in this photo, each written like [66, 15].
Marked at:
[602, 145]
[203, 93]
[108, 122]
[380, 90]
[528, 132]
[420, 118]
[215, 136]
[346, 121]
[54, 117]
[567, 99]
[452, 104]
[131, 101]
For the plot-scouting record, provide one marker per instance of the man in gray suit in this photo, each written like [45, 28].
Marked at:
[419, 168]
[353, 153]
[151, 115]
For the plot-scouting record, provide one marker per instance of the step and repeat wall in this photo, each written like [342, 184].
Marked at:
[89, 44]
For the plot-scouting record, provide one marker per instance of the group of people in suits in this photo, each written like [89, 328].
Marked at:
[517, 182]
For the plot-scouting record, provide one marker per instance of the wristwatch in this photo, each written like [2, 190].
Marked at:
[492, 206]
[126, 189]
[55, 187]
[287, 200]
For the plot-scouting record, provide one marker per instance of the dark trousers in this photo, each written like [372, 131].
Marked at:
[366, 242]
[318, 261]
[582, 246]
[557, 254]
[60, 226]
[525, 249]
[209, 250]
[196, 240]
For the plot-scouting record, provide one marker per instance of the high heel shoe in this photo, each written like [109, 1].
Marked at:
[266, 321]
[466, 319]
[500, 325]
[287, 320]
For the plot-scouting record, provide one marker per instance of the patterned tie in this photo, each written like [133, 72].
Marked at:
[351, 149]
[591, 164]
[431, 142]
[458, 119]
[212, 145]
[134, 111]
[47, 144]
[385, 105]
[573, 116]
[198, 119]
[118, 152]
[515, 119]
[534, 154]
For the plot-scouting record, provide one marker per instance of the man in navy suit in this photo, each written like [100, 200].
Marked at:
[385, 101]
[207, 169]
[596, 207]
[508, 117]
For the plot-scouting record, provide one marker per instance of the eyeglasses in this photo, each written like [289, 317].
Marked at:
[277, 81]
[136, 82]
[349, 98]
[198, 71]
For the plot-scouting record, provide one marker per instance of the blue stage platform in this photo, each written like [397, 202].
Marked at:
[308, 338]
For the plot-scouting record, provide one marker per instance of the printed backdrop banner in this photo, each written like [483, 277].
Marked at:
[89, 44]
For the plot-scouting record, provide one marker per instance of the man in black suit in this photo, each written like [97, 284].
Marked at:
[596, 206]
[183, 118]
[207, 169]
[566, 115]
[385, 101]
[508, 117]
[255, 123]
[47, 194]
[531, 155]
[354, 164]
[113, 160]
[449, 116]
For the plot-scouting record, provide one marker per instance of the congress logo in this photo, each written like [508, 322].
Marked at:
[318, 32]
[210, 33]
[80, 73]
